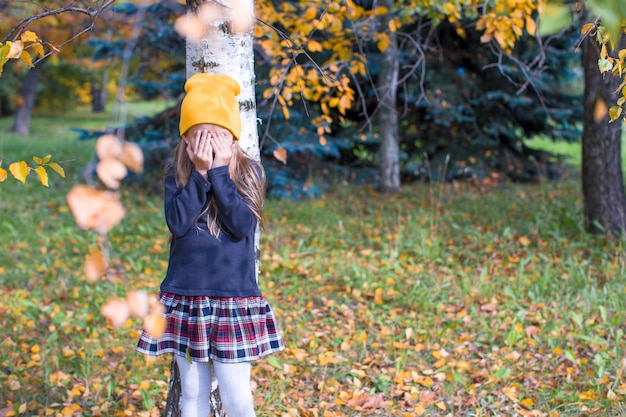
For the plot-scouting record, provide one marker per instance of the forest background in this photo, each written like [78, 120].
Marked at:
[438, 300]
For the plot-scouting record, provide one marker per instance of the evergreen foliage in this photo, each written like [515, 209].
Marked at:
[468, 116]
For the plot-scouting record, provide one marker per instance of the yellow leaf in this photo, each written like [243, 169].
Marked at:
[15, 49]
[314, 46]
[344, 103]
[587, 28]
[25, 57]
[392, 26]
[19, 170]
[285, 112]
[588, 395]
[615, 112]
[528, 402]
[379, 11]
[57, 168]
[41, 161]
[38, 48]
[281, 155]
[323, 140]
[3, 174]
[524, 241]
[531, 26]
[29, 36]
[383, 41]
[43, 175]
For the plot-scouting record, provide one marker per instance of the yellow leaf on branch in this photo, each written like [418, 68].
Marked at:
[57, 168]
[29, 36]
[25, 58]
[383, 41]
[19, 170]
[41, 161]
[43, 175]
[15, 49]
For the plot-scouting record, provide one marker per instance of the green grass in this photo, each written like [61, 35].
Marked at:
[446, 299]
[571, 152]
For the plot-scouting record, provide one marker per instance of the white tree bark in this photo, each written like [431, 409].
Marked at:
[222, 52]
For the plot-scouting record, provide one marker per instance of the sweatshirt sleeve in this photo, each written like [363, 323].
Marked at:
[183, 206]
[232, 208]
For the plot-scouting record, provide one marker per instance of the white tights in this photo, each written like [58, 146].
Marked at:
[234, 383]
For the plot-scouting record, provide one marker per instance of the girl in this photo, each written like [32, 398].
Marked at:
[213, 203]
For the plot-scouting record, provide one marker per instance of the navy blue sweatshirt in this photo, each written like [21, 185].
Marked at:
[200, 263]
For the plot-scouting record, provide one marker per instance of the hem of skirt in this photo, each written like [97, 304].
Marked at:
[211, 357]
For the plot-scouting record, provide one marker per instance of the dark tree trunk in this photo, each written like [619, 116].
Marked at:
[172, 407]
[387, 87]
[99, 93]
[602, 178]
[28, 94]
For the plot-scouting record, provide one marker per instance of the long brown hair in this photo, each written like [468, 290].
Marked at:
[247, 174]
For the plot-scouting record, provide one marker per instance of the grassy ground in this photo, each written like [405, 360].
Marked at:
[445, 300]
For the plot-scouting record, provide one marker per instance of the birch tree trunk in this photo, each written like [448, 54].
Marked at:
[226, 53]
[602, 177]
[387, 86]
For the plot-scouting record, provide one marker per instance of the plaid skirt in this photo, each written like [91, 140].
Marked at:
[223, 329]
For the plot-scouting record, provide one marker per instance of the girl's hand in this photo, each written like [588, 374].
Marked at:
[200, 151]
[222, 144]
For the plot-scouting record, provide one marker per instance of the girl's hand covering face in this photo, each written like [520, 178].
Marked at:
[200, 150]
[222, 144]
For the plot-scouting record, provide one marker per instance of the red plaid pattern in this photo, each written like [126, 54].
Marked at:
[224, 329]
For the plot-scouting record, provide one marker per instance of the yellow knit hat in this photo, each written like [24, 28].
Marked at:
[211, 99]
